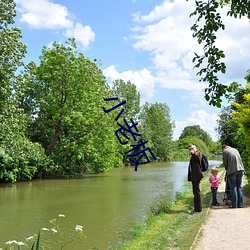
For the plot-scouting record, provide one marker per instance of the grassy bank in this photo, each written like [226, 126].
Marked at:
[170, 227]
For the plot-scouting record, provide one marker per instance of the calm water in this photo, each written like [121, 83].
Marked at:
[104, 204]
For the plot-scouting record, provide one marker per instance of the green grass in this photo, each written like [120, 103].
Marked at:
[170, 226]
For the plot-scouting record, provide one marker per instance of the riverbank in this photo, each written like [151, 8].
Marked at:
[171, 227]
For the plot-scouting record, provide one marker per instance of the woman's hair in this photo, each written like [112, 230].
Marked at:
[214, 170]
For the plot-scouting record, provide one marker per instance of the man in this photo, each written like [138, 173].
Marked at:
[235, 169]
[195, 175]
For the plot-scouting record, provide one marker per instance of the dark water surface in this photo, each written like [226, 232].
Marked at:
[104, 204]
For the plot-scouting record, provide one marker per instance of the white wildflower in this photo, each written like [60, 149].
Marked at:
[78, 228]
[61, 215]
[20, 243]
[54, 230]
[45, 229]
[29, 238]
[10, 242]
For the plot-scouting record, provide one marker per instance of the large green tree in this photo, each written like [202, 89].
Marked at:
[19, 158]
[127, 91]
[184, 142]
[66, 93]
[196, 131]
[210, 63]
[157, 128]
[12, 51]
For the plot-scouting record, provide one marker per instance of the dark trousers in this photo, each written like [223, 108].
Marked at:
[235, 182]
[197, 196]
[214, 196]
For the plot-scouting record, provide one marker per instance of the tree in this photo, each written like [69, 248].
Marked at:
[66, 93]
[19, 158]
[242, 117]
[157, 128]
[208, 23]
[12, 50]
[227, 127]
[127, 91]
[229, 130]
[196, 131]
[184, 142]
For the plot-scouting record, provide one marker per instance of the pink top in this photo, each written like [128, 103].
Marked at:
[214, 181]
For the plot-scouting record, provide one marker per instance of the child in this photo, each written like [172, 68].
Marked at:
[214, 185]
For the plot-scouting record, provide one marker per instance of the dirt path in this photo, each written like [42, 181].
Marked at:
[225, 228]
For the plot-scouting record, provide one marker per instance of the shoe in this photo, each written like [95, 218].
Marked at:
[240, 206]
[217, 204]
[231, 207]
[194, 212]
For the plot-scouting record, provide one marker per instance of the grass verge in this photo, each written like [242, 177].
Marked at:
[170, 226]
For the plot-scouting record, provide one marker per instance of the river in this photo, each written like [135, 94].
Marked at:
[105, 204]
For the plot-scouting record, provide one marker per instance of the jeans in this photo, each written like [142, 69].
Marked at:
[197, 196]
[214, 196]
[235, 182]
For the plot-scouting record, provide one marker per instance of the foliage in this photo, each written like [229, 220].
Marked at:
[215, 147]
[20, 158]
[66, 94]
[196, 131]
[181, 155]
[127, 91]
[232, 124]
[156, 128]
[241, 115]
[201, 146]
[205, 28]
[12, 50]
[227, 127]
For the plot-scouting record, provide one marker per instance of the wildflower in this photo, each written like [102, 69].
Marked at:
[54, 230]
[78, 228]
[10, 242]
[20, 243]
[29, 238]
[61, 215]
[45, 229]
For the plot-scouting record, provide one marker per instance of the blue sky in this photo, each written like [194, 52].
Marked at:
[148, 42]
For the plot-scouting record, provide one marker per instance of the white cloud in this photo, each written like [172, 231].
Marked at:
[235, 41]
[83, 34]
[165, 33]
[143, 80]
[44, 14]
[198, 117]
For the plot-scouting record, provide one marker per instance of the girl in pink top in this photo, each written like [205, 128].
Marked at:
[214, 186]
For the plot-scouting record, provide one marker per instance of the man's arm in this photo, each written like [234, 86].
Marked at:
[224, 159]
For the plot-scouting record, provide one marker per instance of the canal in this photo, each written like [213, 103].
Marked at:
[105, 204]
